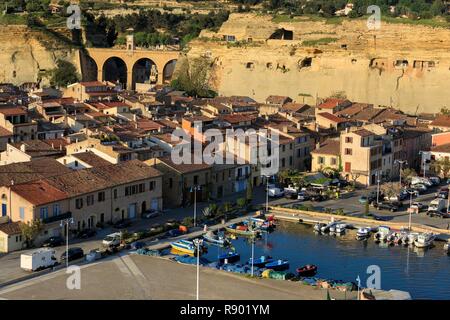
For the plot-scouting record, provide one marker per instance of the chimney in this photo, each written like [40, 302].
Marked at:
[317, 145]
[347, 129]
[23, 147]
[53, 146]
[285, 129]
[299, 125]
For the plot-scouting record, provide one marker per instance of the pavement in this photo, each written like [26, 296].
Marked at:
[10, 263]
[145, 277]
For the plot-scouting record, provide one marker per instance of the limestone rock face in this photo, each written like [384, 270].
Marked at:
[399, 65]
[25, 53]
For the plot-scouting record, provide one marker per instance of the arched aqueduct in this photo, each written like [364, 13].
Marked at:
[161, 59]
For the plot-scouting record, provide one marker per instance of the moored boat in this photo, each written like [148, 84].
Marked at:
[308, 270]
[382, 233]
[319, 226]
[241, 230]
[184, 246]
[278, 265]
[327, 227]
[447, 246]
[363, 233]
[261, 261]
[229, 257]
[424, 240]
[213, 238]
[340, 228]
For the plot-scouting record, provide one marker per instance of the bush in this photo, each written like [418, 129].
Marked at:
[241, 202]
[188, 221]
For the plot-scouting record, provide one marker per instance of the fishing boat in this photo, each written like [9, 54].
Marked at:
[241, 230]
[363, 233]
[382, 233]
[327, 227]
[319, 226]
[185, 246]
[229, 257]
[424, 240]
[278, 265]
[260, 223]
[261, 261]
[309, 270]
[412, 236]
[213, 238]
[340, 228]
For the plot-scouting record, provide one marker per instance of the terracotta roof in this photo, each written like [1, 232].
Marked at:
[236, 118]
[445, 148]
[354, 109]
[147, 124]
[39, 148]
[294, 107]
[363, 132]
[184, 167]
[329, 147]
[91, 159]
[10, 228]
[441, 121]
[39, 192]
[4, 132]
[367, 114]
[12, 111]
[331, 103]
[332, 117]
[277, 99]
[30, 171]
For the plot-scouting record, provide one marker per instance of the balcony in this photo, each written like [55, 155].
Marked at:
[58, 217]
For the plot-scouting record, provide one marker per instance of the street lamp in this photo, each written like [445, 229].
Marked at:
[267, 193]
[198, 243]
[378, 187]
[411, 192]
[424, 161]
[253, 251]
[401, 163]
[65, 223]
[195, 189]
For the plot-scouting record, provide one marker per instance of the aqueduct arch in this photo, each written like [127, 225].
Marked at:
[163, 61]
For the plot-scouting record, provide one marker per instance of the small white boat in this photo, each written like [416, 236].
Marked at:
[318, 226]
[363, 233]
[340, 228]
[424, 240]
[327, 227]
[382, 233]
[412, 236]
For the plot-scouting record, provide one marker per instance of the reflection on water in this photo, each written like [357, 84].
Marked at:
[423, 273]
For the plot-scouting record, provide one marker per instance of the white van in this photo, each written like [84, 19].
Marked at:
[437, 205]
[38, 260]
[112, 240]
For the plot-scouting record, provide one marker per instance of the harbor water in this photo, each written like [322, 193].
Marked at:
[425, 274]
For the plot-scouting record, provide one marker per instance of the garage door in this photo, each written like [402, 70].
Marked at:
[132, 211]
[154, 204]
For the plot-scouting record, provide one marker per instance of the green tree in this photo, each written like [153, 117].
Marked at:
[193, 77]
[64, 74]
[441, 166]
[30, 231]
[408, 173]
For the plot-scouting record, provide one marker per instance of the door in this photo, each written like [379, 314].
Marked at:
[4, 209]
[154, 204]
[132, 211]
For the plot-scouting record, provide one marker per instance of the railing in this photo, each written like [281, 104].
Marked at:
[57, 218]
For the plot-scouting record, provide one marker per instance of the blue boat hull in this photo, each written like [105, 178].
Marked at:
[229, 258]
[277, 267]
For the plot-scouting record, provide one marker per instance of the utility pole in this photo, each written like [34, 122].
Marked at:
[378, 187]
[401, 162]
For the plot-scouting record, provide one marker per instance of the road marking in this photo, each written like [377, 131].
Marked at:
[138, 275]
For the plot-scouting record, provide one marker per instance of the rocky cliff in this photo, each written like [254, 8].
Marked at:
[404, 66]
[25, 53]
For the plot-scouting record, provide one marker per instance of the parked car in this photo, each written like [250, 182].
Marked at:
[415, 193]
[290, 194]
[318, 197]
[380, 218]
[122, 224]
[386, 206]
[73, 254]
[372, 196]
[303, 196]
[53, 242]
[275, 192]
[38, 260]
[436, 205]
[419, 206]
[419, 187]
[439, 214]
[435, 180]
[442, 193]
[112, 240]
[137, 245]
[86, 233]
[363, 199]
[151, 214]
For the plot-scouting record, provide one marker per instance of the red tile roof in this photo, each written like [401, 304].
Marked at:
[441, 121]
[39, 192]
[10, 228]
[13, 111]
[331, 103]
[92, 84]
[444, 148]
[331, 117]
[329, 147]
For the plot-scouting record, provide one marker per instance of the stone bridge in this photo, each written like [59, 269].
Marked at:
[133, 65]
